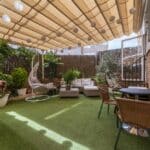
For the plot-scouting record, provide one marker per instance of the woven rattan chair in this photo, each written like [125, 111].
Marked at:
[113, 84]
[104, 94]
[35, 84]
[133, 112]
[39, 90]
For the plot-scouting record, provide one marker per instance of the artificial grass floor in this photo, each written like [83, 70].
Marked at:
[80, 124]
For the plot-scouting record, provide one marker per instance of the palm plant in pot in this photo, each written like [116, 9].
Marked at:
[69, 76]
[20, 76]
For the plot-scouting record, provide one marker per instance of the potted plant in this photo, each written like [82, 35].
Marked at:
[19, 76]
[69, 76]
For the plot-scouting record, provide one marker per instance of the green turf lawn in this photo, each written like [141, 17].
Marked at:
[79, 124]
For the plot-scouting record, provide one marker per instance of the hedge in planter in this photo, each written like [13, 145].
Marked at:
[19, 76]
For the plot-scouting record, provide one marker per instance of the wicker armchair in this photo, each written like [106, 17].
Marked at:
[104, 93]
[112, 82]
[132, 112]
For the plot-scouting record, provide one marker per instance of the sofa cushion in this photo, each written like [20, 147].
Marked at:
[90, 87]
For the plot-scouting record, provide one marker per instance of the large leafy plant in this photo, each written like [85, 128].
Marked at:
[108, 63]
[70, 75]
[51, 61]
[25, 53]
[11, 57]
[19, 76]
[5, 49]
[5, 52]
[51, 58]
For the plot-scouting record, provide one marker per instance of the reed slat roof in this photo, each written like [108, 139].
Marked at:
[52, 24]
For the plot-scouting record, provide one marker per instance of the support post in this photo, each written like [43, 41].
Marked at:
[43, 67]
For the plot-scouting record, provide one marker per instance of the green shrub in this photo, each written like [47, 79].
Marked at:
[8, 78]
[19, 76]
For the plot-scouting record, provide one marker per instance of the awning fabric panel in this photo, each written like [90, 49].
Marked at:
[57, 24]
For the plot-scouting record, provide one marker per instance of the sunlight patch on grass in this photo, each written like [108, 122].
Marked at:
[47, 132]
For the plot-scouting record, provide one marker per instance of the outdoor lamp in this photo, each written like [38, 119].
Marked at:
[18, 5]
[118, 21]
[43, 38]
[75, 30]
[112, 18]
[93, 24]
[6, 18]
[102, 31]
[132, 11]
[58, 34]
[89, 38]
[28, 40]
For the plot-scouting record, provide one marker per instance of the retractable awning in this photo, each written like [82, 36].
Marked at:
[53, 24]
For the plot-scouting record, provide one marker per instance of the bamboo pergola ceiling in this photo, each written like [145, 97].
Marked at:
[54, 24]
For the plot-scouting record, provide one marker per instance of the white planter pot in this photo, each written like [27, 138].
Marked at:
[3, 100]
[22, 92]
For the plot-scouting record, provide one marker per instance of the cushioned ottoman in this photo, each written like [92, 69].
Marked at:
[73, 92]
[91, 90]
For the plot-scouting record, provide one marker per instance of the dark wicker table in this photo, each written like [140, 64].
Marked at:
[136, 92]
